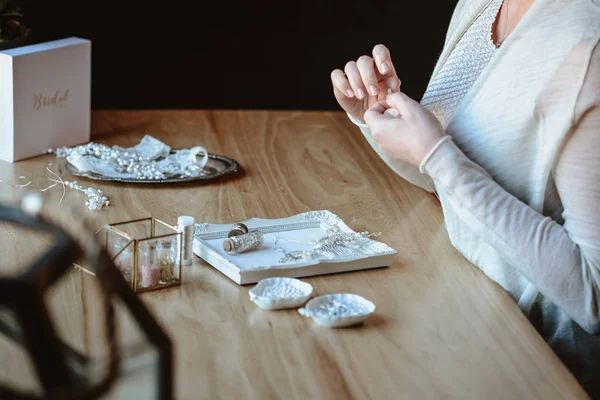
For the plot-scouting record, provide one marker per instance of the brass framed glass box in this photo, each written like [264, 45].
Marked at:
[146, 251]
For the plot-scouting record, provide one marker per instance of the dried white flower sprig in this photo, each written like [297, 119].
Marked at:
[96, 198]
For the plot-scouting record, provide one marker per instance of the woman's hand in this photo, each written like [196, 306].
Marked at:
[365, 81]
[403, 128]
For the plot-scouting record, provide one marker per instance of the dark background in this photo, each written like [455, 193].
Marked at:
[240, 54]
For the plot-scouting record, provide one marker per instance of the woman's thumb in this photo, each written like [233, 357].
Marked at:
[400, 102]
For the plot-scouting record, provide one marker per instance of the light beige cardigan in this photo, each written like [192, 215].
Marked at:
[520, 180]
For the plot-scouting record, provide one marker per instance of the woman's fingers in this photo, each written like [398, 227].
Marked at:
[402, 103]
[368, 76]
[377, 112]
[383, 60]
[353, 75]
[378, 108]
[386, 69]
[392, 84]
[366, 67]
[339, 81]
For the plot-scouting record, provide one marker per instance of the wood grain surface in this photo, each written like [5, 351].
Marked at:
[441, 330]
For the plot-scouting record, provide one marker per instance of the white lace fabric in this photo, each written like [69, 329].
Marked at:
[149, 159]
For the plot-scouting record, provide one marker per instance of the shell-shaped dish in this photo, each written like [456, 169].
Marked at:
[338, 310]
[279, 293]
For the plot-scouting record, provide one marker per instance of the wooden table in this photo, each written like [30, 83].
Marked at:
[441, 330]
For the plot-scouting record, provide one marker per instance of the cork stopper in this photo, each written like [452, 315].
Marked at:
[184, 220]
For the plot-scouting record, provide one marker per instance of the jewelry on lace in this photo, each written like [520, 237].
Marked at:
[242, 243]
[335, 243]
[336, 237]
[150, 159]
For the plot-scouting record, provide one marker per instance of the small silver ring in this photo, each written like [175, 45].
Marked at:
[238, 229]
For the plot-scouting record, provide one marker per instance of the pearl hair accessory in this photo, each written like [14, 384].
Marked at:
[96, 198]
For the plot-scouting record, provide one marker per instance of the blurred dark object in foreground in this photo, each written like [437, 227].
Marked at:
[27, 322]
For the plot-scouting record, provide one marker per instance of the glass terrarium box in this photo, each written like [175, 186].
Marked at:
[146, 251]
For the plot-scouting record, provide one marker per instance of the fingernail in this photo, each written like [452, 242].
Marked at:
[360, 93]
[373, 90]
[391, 112]
[389, 90]
[350, 93]
[385, 68]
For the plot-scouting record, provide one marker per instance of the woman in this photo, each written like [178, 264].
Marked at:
[508, 136]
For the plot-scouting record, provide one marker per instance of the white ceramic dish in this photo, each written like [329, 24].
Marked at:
[279, 293]
[338, 310]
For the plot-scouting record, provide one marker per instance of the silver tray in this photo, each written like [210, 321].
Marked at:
[217, 166]
[292, 233]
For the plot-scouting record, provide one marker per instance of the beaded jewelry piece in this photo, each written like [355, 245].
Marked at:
[335, 243]
[96, 198]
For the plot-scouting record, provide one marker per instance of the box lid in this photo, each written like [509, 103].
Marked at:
[45, 46]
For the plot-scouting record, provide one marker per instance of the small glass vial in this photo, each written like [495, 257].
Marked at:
[149, 269]
[124, 263]
[242, 243]
[167, 259]
[185, 224]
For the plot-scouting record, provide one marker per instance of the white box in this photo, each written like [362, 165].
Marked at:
[45, 97]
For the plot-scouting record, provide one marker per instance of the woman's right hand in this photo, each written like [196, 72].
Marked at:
[365, 81]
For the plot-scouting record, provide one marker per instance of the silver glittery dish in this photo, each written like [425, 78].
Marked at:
[278, 293]
[216, 167]
[338, 310]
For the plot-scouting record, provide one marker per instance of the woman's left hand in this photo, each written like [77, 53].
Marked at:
[407, 130]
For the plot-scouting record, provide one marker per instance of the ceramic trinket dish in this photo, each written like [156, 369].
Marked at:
[280, 293]
[338, 310]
